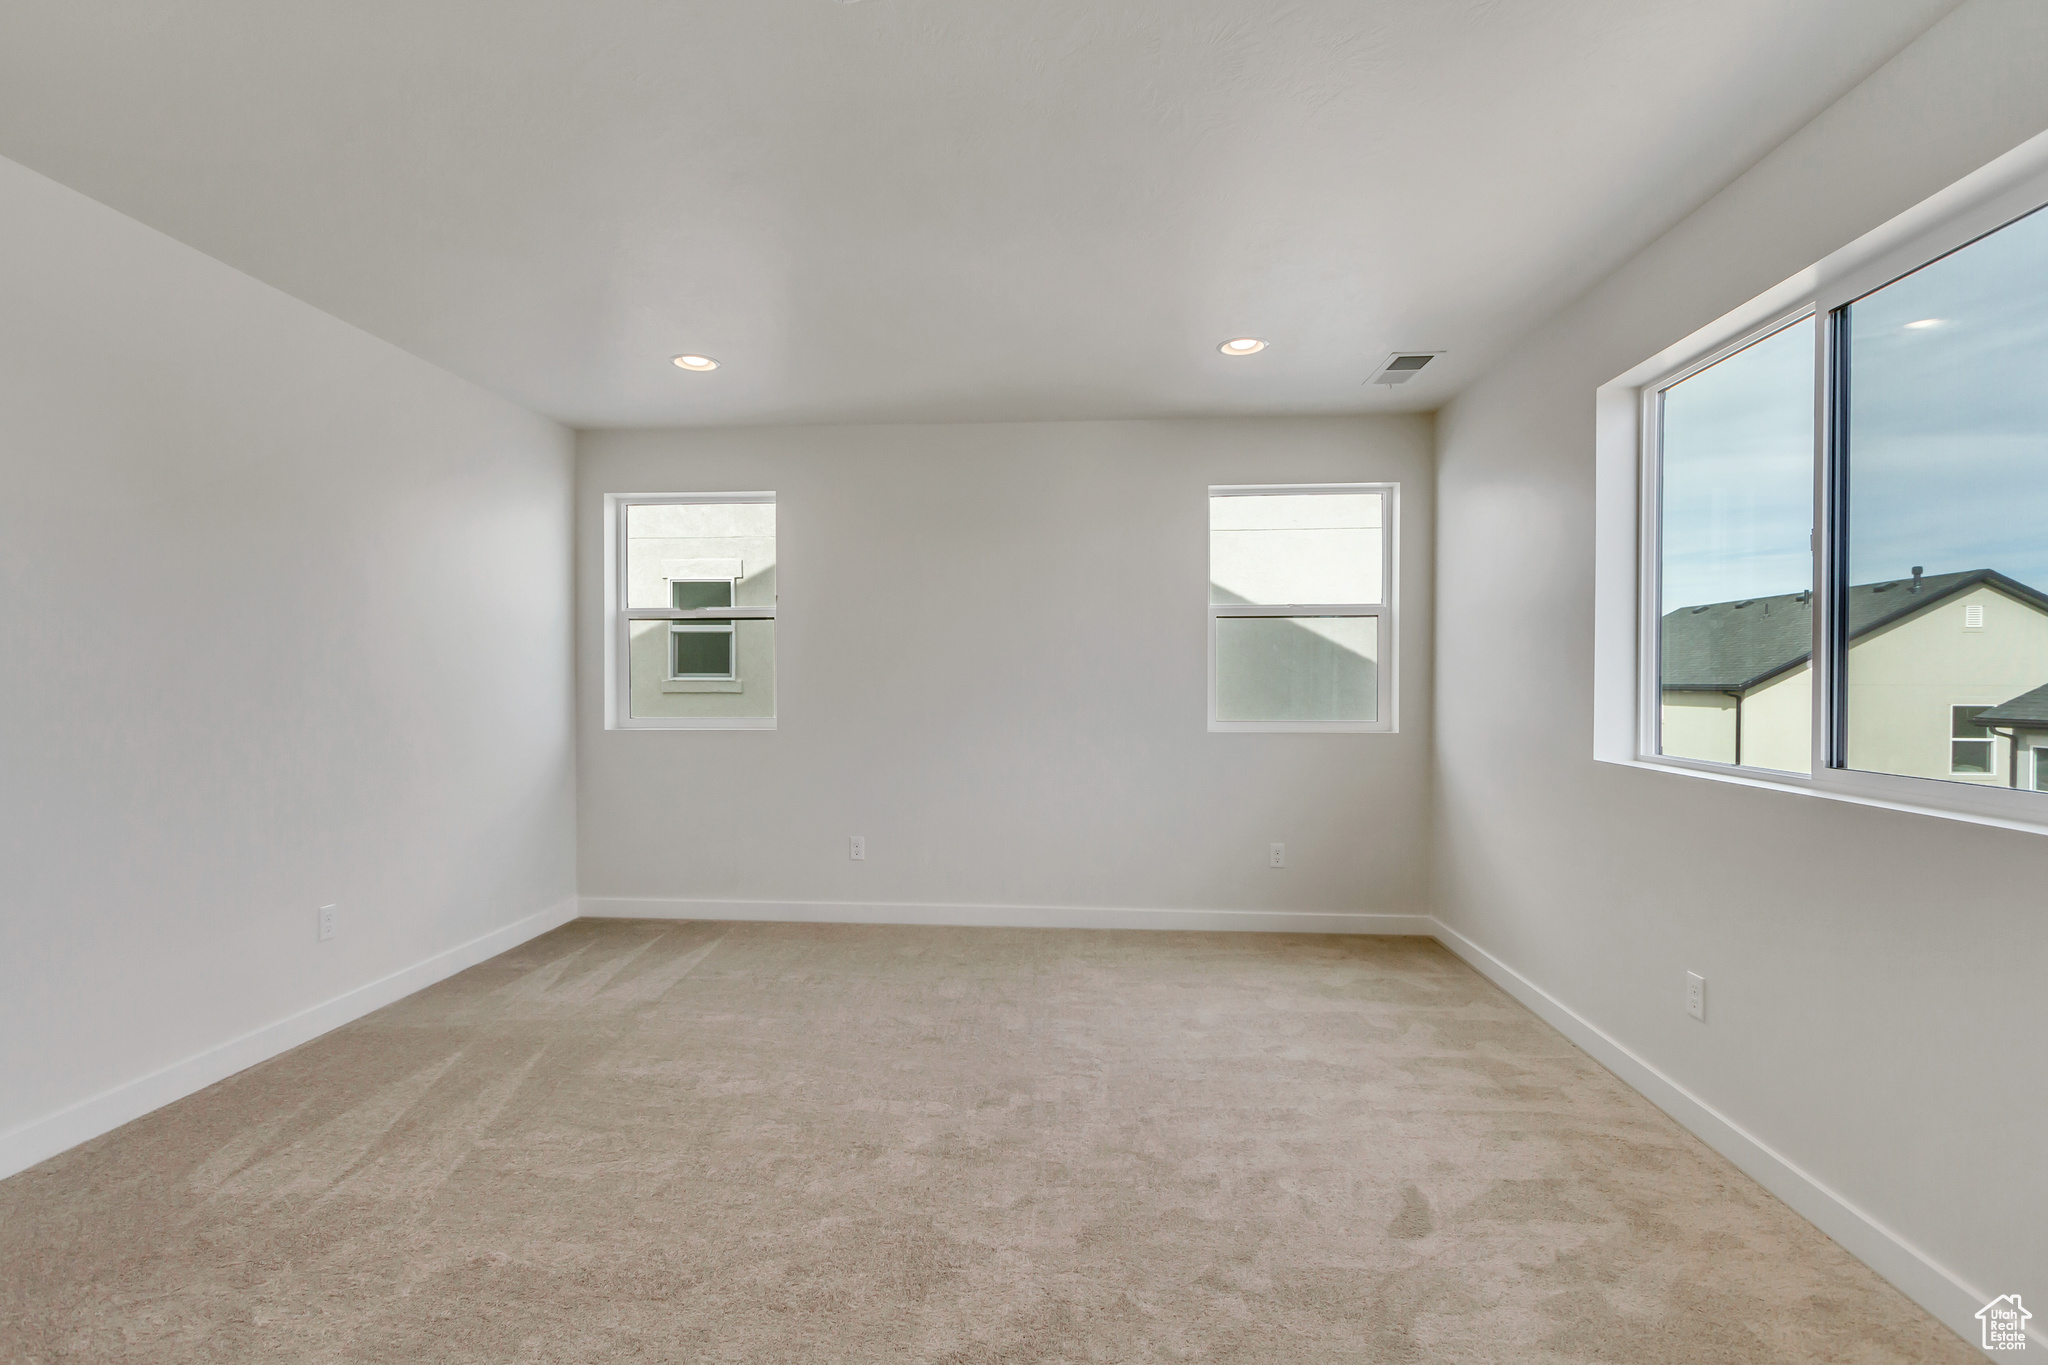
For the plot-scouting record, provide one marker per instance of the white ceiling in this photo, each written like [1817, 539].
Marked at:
[925, 209]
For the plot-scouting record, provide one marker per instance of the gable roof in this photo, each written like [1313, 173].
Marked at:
[1734, 646]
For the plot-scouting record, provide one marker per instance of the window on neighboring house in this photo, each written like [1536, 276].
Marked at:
[694, 598]
[2040, 769]
[1301, 607]
[1970, 745]
[701, 649]
[700, 594]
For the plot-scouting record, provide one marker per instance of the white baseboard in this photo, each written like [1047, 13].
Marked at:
[1913, 1272]
[40, 1139]
[1005, 916]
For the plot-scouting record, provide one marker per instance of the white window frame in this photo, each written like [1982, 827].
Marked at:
[732, 658]
[1990, 738]
[1384, 613]
[732, 585]
[1649, 708]
[732, 672]
[1627, 668]
[618, 663]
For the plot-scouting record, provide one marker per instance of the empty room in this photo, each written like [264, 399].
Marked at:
[1137, 682]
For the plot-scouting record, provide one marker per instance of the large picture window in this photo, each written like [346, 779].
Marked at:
[1301, 607]
[1841, 581]
[693, 611]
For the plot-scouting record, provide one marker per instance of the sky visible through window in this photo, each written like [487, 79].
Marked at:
[1948, 436]
[1948, 419]
[1738, 474]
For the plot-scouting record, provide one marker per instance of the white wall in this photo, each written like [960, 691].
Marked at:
[991, 663]
[284, 620]
[1876, 1012]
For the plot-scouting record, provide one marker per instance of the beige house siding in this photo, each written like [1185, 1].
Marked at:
[1700, 725]
[1776, 719]
[1777, 723]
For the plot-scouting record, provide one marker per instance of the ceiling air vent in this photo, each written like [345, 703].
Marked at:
[1402, 366]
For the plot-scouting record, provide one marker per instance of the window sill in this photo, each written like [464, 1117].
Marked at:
[694, 723]
[702, 685]
[1298, 727]
[1975, 803]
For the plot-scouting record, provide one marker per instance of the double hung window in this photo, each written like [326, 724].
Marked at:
[1843, 580]
[1301, 602]
[693, 595]
[1971, 746]
[701, 649]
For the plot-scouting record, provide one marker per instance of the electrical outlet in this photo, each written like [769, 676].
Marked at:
[857, 848]
[329, 914]
[1276, 855]
[1696, 996]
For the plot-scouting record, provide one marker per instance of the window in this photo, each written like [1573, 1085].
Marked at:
[1735, 625]
[1970, 744]
[700, 649]
[1817, 557]
[1301, 601]
[700, 594]
[1942, 423]
[692, 600]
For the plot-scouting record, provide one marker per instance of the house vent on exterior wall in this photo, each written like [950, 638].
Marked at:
[1402, 366]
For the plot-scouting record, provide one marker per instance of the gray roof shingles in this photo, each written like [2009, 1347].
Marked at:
[1734, 646]
[2027, 711]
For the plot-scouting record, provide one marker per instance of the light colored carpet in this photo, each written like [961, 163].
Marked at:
[632, 1141]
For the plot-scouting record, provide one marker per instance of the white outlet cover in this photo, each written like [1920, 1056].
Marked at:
[857, 848]
[1696, 996]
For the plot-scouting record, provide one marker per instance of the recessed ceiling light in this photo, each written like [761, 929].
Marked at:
[1924, 322]
[696, 362]
[1242, 346]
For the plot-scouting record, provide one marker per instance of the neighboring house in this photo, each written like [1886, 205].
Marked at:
[2023, 724]
[1930, 658]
